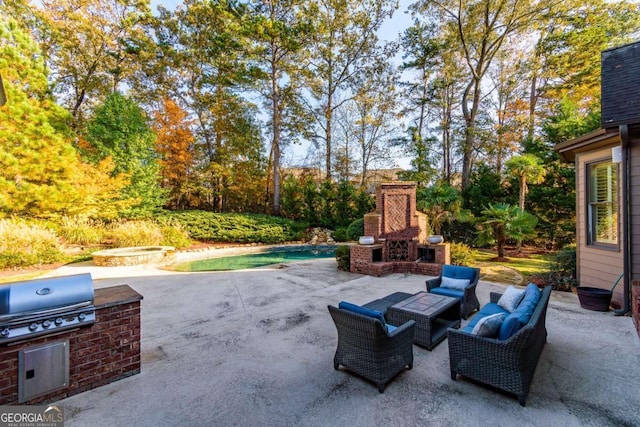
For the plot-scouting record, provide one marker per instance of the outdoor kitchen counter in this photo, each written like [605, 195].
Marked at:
[115, 295]
[97, 352]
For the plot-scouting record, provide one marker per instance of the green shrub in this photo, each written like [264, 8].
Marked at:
[564, 262]
[135, 233]
[462, 254]
[238, 228]
[355, 229]
[23, 244]
[343, 257]
[563, 269]
[340, 234]
[77, 231]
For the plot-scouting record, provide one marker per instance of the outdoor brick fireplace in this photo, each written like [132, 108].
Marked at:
[399, 232]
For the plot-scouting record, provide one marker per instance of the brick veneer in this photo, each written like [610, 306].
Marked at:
[361, 261]
[635, 303]
[398, 230]
[395, 217]
[99, 354]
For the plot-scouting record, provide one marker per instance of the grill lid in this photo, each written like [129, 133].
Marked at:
[33, 296]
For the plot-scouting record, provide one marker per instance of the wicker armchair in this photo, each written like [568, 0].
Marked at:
[468, 299]
[367, 349]
[508, 365]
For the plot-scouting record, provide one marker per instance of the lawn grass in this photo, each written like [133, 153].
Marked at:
[515, 270]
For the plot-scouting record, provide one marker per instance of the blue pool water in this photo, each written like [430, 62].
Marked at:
[241, 262]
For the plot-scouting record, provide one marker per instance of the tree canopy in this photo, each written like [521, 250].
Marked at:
[204, 106]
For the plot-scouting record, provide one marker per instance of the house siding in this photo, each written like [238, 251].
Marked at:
[634, 204]
[597, 267]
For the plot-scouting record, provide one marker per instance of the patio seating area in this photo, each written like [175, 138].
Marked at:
[256, 347]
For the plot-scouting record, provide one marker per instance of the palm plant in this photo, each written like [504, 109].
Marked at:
[528, 169]
[441, 203]
[503, 221]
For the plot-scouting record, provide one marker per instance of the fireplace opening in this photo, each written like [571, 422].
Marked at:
[376, 255]
[426, 254]
[398, 250]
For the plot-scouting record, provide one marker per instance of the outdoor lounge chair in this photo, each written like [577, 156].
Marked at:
[452, 283]
[369, 347]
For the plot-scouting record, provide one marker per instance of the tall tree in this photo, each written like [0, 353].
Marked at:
[509, 117]
[203, 65]
[92, 47]
[344, 42]
[175, 146]
[376, 118]
[279, 33]
[40, 171]
[481, 28]
[119, 130]
[37, 161]
[564, 60]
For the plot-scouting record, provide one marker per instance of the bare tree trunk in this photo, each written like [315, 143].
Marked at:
[275, 142]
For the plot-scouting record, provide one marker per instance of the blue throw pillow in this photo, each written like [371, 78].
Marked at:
[522, 314]
[531, 296]
[363, 311]
[510, 326]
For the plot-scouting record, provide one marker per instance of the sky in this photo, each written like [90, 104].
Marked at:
[389, 31]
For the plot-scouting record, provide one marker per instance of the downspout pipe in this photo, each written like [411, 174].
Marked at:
[626, 247]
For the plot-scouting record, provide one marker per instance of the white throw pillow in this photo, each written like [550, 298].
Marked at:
[511, 298]
[489, 326]
[457, 284]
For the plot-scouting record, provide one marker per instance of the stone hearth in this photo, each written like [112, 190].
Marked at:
[400, 236]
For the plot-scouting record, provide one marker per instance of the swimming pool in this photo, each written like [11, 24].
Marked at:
[268, 257]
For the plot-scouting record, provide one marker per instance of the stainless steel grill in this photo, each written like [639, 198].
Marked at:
[43, 306]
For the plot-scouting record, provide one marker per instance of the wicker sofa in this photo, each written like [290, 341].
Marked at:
[507, 364]
[369, 347]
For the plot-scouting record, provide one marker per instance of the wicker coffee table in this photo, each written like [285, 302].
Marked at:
[433, 314]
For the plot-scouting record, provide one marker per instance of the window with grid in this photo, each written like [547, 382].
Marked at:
[603, 203]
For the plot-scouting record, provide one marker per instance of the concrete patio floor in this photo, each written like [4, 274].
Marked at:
[255, 348]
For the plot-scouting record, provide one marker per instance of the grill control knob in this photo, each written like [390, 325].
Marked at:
[5, 333]
[33, 327]
[46, 323]
[58, 321]
[81, 316]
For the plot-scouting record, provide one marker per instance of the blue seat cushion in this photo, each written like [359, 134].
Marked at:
[362, 310]
[531, 296]
[458, 272]
[522, 314]
[489, 309]
[447, 292]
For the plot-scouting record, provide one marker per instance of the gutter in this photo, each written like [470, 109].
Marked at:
[626, 247]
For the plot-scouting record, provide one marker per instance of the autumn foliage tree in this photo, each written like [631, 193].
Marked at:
[175, 147]
[41, 173]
